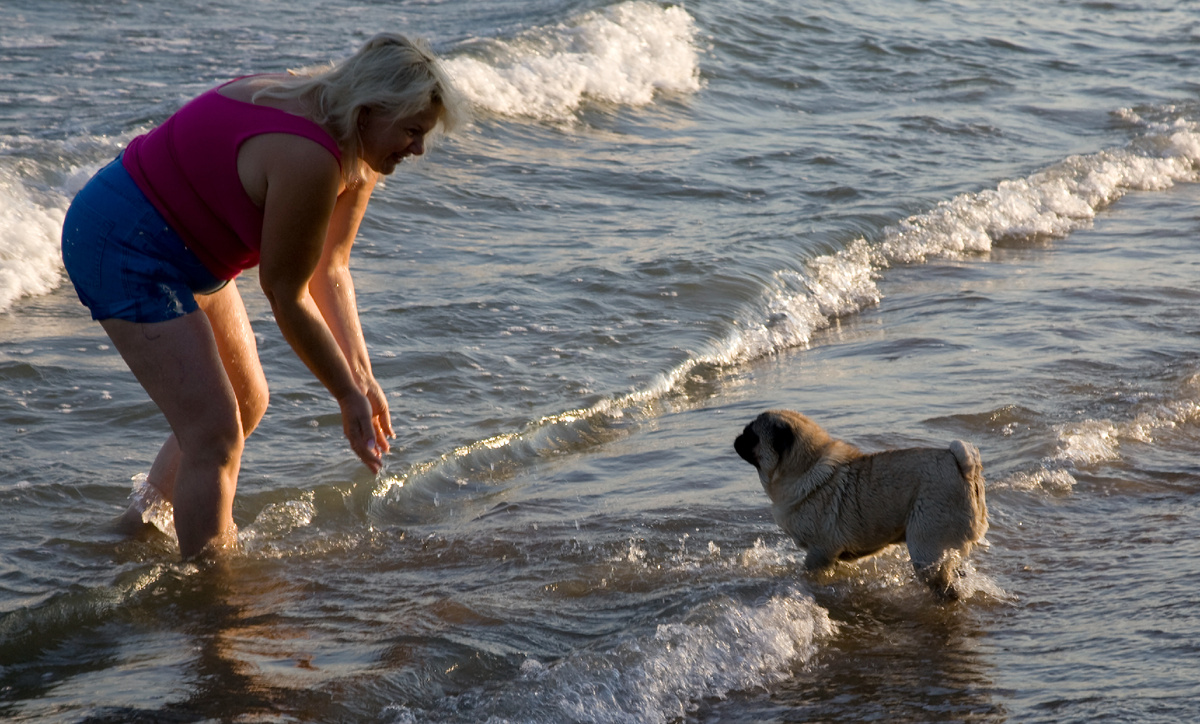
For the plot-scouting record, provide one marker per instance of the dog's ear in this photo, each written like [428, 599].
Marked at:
[782, 439]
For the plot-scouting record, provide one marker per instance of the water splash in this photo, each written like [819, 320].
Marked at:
[275, 521]
[155, 509]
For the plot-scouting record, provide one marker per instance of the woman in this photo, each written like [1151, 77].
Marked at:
[271, 170]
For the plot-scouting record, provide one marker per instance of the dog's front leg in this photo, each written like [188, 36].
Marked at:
[817, 560]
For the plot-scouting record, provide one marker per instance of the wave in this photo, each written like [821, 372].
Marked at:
[1087, 443]
[720, 646]
[1048, 204]
[30, 230]
[621, 55]
[38, 628]
[36, 188]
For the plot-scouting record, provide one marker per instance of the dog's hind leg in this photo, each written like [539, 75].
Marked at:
[941, 576]
[938, 560]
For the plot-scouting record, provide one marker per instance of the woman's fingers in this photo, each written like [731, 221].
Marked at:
[381, 438]
[379, 407]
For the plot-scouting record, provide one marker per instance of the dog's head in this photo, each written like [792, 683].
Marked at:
[769, 433]
[780, 440]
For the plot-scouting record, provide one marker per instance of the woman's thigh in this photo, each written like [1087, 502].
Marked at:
[178, 364]
[238, 349]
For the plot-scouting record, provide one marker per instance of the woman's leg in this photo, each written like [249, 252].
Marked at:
[226, 314]
[179, 365]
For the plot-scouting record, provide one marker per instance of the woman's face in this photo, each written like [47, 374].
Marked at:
[388, 140]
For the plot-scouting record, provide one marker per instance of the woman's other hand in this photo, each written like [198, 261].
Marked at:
[381, 417]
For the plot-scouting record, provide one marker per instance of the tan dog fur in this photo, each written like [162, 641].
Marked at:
[841, 504]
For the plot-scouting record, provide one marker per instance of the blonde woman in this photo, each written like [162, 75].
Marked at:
[273, 171]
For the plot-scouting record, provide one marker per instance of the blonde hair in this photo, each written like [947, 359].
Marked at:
[389, 73]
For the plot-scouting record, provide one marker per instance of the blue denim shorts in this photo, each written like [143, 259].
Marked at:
[125, 261]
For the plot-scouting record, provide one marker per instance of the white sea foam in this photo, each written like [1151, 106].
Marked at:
[30, 230]
[1087, 442]
[1048, 204]
[721, 646]
[623, 55]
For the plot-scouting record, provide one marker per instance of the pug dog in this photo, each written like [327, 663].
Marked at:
[840, 504]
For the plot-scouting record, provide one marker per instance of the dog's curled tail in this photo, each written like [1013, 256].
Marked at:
[970, 464]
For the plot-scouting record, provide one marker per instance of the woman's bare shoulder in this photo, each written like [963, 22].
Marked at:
[243, 89]
[295, 156]
[269, 158]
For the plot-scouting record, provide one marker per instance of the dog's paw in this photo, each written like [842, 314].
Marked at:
[943, 579]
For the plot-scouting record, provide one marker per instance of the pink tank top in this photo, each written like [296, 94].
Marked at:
[187, 167]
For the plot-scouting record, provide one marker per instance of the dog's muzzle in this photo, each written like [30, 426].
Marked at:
[745, 445]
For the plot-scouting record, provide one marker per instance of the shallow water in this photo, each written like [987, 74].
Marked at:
[913, 222]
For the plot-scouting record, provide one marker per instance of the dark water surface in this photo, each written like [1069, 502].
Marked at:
[912, 221]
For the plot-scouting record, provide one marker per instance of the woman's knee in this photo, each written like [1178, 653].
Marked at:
[213, 436]
[254, 407]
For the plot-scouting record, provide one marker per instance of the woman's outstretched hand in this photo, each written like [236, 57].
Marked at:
[358, 424]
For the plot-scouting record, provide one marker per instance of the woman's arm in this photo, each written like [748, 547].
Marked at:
[332, 288]
[302, 190]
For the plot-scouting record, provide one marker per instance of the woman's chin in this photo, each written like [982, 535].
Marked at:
[386, 166]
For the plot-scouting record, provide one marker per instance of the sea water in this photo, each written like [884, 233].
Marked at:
[912, 221]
